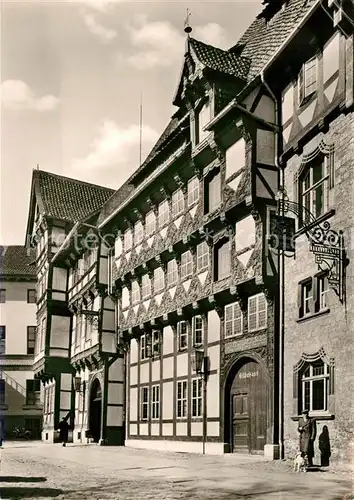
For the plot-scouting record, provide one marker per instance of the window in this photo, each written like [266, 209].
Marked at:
[322, 291]
[144, 415]
[186, 264]
[128, 239]
[233, 320]
[156, 343]
[182, 399]
[138, 232]
[177, 202]
[155, 402]
[31, 296]
[314, 387]
[307, 79]
[202, 256]
[197, 327]
[159, 279]
[222, 261]
[135, 292]
[306, 298]
[43, 333]
[31, 339]
[2, 392]
[172, 272]
[2, 296]
[202, 119]
[33, 392]
[193, 191]
[145, 286]
[212, 193]
[163, 213]
[182, 335]
[145, 346]
[2, 339]
[197, 397]
[150, 224]
[314, 188]
[257, 312]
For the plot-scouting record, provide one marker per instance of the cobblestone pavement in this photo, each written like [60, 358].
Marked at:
[45, 471]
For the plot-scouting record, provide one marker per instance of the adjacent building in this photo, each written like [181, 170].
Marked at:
[20, 394]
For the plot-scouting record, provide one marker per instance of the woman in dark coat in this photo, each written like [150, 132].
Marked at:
[307, 430]
[324, 446]
[63, 431]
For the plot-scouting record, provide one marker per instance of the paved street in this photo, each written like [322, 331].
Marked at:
[38, 471]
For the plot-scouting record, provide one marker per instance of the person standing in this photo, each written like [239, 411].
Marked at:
[307, 430]
[63, 431]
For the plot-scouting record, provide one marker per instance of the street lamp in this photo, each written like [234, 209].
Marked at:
[200, 365]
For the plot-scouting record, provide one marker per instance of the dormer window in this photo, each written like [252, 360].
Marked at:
[203, 117]
[307, 80]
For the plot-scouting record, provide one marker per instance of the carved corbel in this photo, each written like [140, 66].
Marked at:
[152, 205]
[255, 214]
[180, 183]
[197, 169]
[138, 215]
[128, 223]
[165, 192]
[228, 226]
[217, 307]
[218, 152]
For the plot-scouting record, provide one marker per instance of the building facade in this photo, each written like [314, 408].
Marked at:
[21, 405]
[57, 204]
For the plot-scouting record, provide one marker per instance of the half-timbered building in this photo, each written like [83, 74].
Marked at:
[57, 205]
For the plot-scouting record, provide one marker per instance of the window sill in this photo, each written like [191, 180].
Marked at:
[316, 416]
[182, 349]
[316, 222]
[314, 315]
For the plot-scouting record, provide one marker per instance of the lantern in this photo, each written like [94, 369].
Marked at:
[77, 384]
[197, 358]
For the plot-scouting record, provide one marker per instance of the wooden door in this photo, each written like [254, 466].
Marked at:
[249, 397]
[240, 422]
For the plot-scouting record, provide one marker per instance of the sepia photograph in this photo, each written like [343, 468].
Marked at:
[177, 249]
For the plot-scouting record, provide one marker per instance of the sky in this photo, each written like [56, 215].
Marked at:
[73, 75]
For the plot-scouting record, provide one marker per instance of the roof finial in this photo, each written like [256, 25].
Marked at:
[187, 27]
[37, 166]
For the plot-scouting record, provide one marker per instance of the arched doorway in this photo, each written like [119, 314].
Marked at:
[246, 407]
[95, 410]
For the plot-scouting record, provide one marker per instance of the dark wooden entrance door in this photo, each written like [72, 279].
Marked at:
[95, 411]
[249, 400]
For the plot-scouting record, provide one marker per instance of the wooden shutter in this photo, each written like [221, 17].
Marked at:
[300, 301]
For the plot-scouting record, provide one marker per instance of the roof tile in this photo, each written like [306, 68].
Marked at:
[16, 260]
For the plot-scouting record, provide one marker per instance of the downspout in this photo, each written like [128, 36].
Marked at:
[281, 283]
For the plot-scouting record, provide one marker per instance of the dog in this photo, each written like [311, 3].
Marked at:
[300, 462]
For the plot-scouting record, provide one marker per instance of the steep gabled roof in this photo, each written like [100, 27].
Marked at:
[220, 60]
[266, 35]
[68, 199]
[17, 261]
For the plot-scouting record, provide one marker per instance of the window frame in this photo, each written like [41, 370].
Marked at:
[187, 266]
[322, 293]
[218, 253]
[211, 204]
[234, 307]
[2, 339]
[150, 225]
[156, 343]
[144, 404]
[145, 286]
[182, 399]
[155, 402]
[182, 345]
[204, 110]
[159, 280]
[307, 195]
[193, 191]
[177, 200]
[2, 295]
[135, 292]
[196, 397]
[138, 232]
[128, 240]
[173, 272]
[303, 380]
[259, 326]
[32, 291]
[163, 214]
[199, 329]
[305, 89]
[203, 259]
[34, 333]
[33, 397]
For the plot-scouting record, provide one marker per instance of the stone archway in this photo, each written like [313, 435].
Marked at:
[246, 406]
[95, 413]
